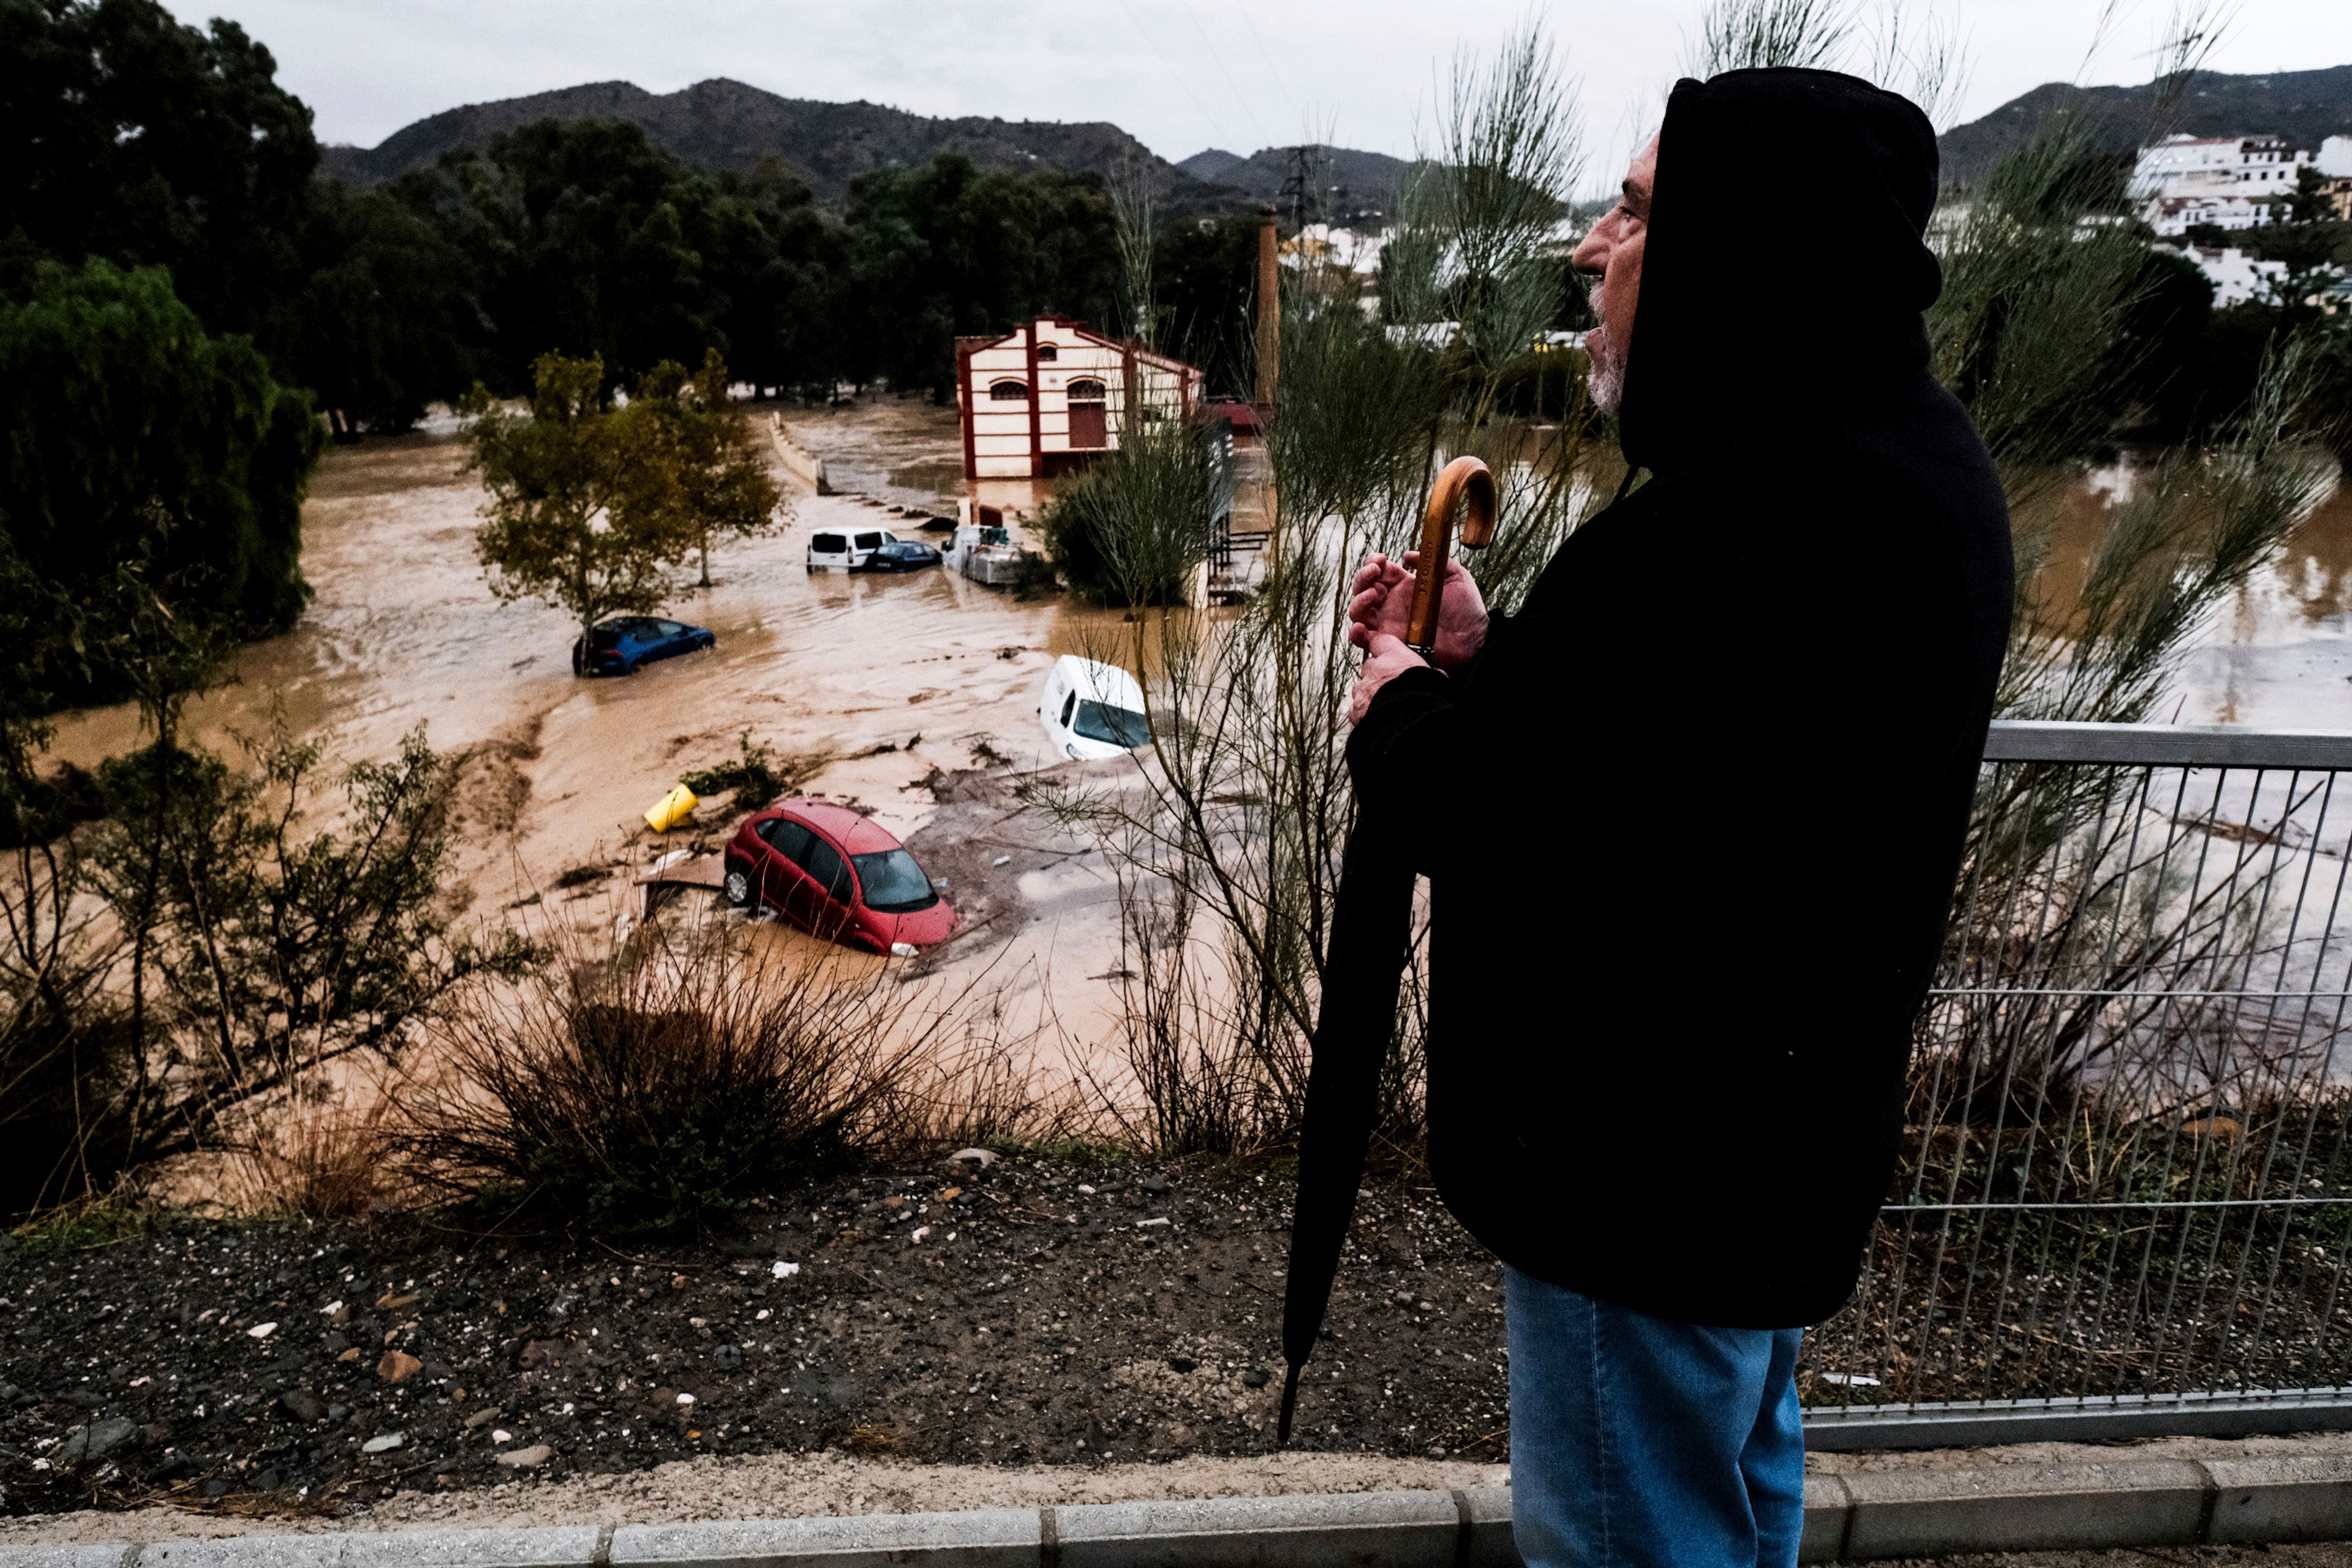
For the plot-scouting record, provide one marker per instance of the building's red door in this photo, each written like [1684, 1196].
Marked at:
[1090, 423]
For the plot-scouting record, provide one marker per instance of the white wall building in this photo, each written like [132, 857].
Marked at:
[2227, 181]
[1053, 395]
[2236, 277]
[2335, 157]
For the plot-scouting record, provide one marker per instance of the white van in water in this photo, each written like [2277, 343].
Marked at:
[844, 549]
[1092, 711]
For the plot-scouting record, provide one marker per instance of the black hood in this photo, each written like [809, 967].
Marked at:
[1785, 271]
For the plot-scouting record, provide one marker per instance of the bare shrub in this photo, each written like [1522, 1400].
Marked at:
[654, 1091]
[334, 1163]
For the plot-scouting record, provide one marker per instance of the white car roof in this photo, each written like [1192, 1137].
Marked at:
[1100, 682]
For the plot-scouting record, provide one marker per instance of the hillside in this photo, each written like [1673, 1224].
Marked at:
[1356, 179]
[2308, 106]
[725, 124]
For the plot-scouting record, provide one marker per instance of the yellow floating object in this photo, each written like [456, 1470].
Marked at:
[671, 809]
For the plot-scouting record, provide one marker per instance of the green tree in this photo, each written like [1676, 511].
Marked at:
[2310, 202]
[275, 951]
[137, 139]
[131, 440]
[587, 239]
[715, 479]
[574, 515]
[947, 248]
[387, 319]
[1205, 282]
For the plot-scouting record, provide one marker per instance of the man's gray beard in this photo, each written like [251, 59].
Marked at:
[1607, 380]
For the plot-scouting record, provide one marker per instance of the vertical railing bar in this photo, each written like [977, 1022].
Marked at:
[2135, 1309]
[2001, 946]
[2215, 969]
[2098, 841]
[2287, 1093]
[2101, 1327]
[2138, 807]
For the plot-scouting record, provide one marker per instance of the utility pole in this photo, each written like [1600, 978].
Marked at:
[1269, 308]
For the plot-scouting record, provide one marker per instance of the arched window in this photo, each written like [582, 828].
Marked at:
[1085, 391]
[1048, 351]
[1007, 392]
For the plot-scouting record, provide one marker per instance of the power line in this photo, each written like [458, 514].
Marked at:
[1216, 132]
[1219, 61]
[1272, 69]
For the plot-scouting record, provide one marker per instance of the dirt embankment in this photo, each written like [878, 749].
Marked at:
[1037, 1312]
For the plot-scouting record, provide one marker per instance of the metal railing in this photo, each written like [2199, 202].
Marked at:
[2125, 1200]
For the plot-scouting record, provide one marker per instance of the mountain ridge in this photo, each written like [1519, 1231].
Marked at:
[730, 125]
[2306, 106]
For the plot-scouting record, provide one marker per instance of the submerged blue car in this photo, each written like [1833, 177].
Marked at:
[618, 647]
[902, 555]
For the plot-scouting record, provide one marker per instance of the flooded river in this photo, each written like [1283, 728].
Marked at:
[888, 681]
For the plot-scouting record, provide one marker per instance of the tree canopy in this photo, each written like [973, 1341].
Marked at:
[589, 502]
[130, 438]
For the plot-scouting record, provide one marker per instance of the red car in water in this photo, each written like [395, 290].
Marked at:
[824, 867]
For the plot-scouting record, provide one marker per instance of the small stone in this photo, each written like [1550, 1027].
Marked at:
[268, 1480]
[261, 1330]
[383, 1443]
[983, 1158]
[349, 1354]
[728, 1356]
[215, 1487]
[389, 1303]
[481, 1418]
[95, 1441]
[338, 1413]
[1254, 1378]
[1155, 1182]
[529, 1458]
[302, 1405]
[396, 1365]
[783, 1271]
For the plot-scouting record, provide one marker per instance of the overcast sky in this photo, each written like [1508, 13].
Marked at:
[1179, 74]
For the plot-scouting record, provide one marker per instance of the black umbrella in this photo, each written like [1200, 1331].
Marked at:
[1372, 926]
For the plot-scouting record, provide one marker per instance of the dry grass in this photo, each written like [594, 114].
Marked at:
[332, 1164]
[654, 1090]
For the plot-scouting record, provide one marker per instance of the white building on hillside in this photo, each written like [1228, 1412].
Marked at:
[2230, 181]
[2237, 276]
[2335, 157]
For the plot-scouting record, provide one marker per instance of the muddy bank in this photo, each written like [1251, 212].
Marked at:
[1037, 1312]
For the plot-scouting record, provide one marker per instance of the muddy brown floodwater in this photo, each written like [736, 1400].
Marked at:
[2278, 655]
[889, 678]
[899, 683]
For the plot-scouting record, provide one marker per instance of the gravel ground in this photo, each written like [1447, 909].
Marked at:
[1030, 1312]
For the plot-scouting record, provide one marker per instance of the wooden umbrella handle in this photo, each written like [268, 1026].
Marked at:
[1465, 482]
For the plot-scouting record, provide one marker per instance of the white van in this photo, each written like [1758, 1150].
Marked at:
[1091, 709]
[844, 549]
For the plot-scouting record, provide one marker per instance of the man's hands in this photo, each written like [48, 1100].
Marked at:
[1376, 617]
[1384, 599]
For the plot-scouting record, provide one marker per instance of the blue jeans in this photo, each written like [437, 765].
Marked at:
[1637, 1442]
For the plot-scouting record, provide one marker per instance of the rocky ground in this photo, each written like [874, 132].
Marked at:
[1028, 1311]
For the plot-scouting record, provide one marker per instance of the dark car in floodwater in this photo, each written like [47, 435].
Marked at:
[625, 644]
[902, 555]
[834, 872]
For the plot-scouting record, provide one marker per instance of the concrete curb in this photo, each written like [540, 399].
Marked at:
[2071, 1505]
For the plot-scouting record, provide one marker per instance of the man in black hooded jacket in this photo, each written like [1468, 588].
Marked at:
[1706, 792]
